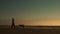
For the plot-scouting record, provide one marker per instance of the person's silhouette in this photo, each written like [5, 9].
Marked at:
[13, 25]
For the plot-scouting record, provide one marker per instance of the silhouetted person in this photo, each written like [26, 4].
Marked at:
[13, 25]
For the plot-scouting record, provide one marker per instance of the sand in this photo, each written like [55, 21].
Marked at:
[29, 31]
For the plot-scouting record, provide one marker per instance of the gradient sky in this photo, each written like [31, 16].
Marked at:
[30, 12]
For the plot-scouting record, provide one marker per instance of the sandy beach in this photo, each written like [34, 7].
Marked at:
[30, 31]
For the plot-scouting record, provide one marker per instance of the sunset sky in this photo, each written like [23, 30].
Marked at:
[30, 12]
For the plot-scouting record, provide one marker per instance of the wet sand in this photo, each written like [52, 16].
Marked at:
[30, 31]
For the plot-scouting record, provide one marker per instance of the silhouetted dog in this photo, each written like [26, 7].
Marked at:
[21, 26]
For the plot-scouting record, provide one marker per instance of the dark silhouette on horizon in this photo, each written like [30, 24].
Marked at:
[21, 26]
[13, 24]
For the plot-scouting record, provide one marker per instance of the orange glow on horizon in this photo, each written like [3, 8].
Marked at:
[39, 22]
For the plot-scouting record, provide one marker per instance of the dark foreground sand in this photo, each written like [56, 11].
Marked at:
[30, 31]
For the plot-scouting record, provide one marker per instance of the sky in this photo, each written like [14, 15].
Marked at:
[30, 12]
